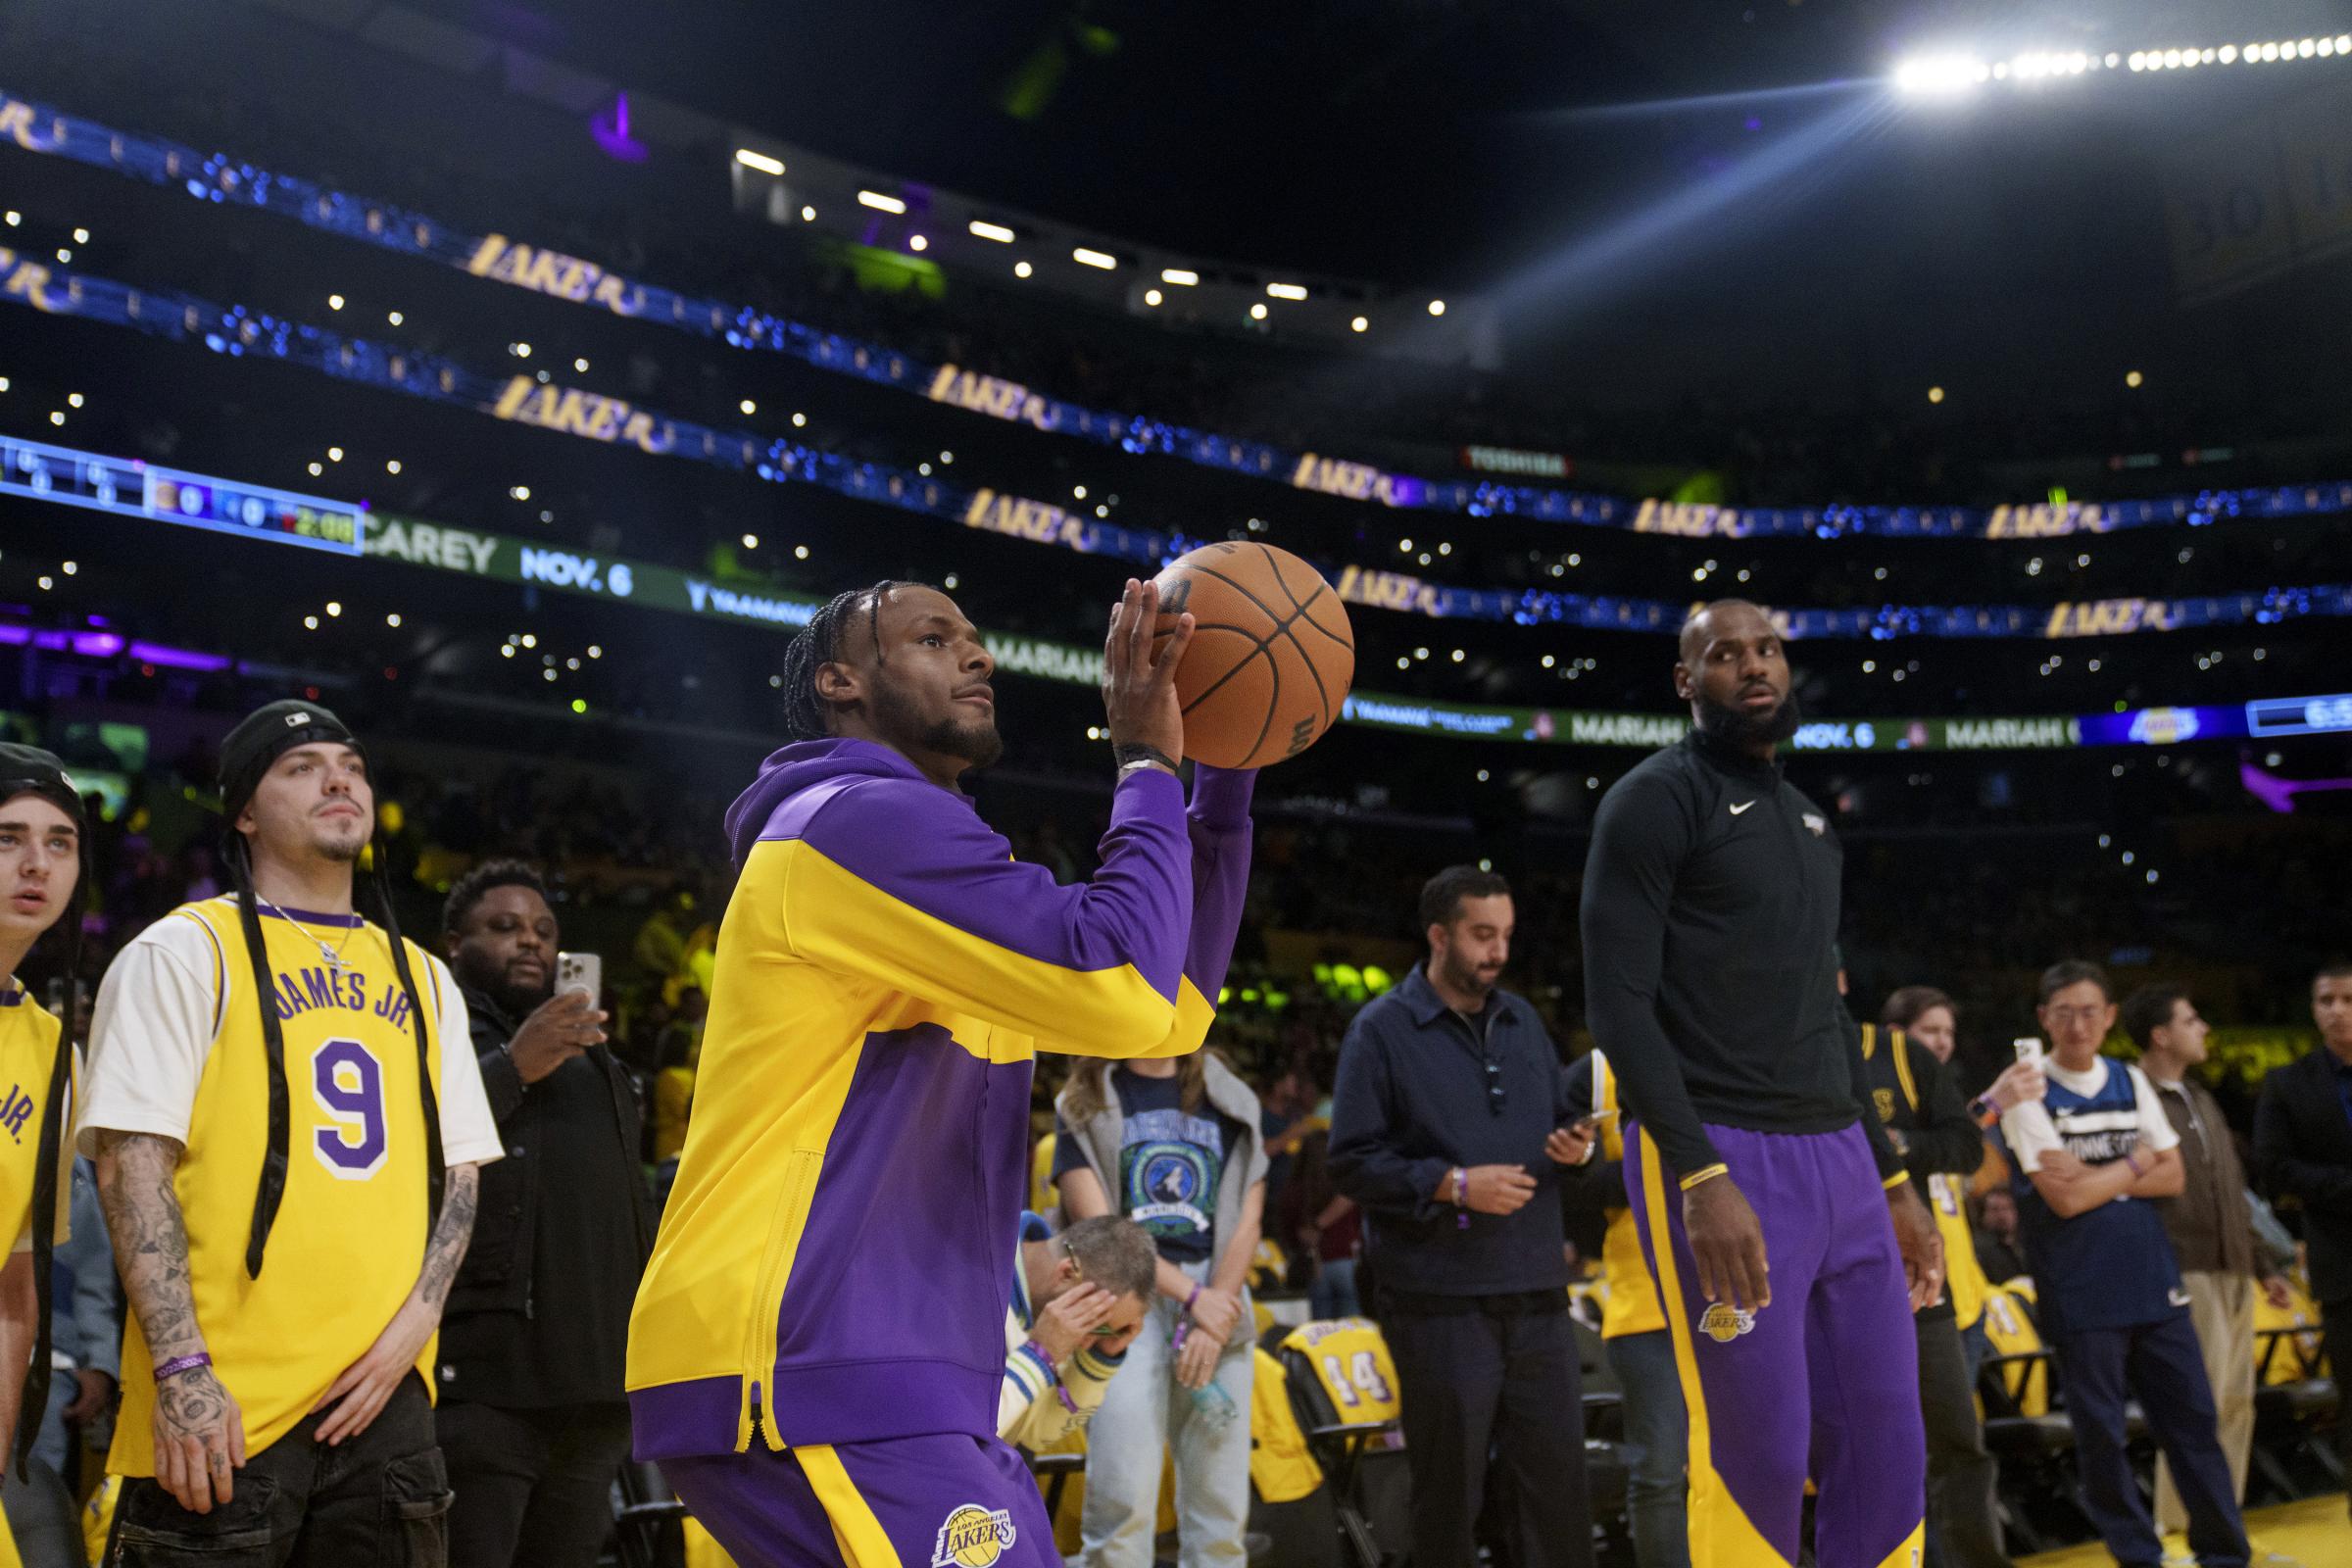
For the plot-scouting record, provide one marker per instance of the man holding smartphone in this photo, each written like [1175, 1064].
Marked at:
[533, 1419]
[2087, 1157]
[1451, 1123]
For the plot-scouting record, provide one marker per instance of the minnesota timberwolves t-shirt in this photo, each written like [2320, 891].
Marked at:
[2111, 1266]
[1171, 1162]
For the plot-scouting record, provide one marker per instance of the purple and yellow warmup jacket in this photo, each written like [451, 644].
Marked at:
[834, 1260]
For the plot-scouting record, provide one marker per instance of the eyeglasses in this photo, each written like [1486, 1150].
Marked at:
[1495, 1096]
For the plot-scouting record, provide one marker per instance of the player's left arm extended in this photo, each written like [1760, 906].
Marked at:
[359, 1395]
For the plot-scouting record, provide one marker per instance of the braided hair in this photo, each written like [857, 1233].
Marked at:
[807, 715]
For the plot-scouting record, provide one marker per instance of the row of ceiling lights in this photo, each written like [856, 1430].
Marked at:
[1082, 255]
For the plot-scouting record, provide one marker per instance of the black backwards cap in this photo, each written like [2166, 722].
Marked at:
[267, 734]
[30, 770]
[247, 752]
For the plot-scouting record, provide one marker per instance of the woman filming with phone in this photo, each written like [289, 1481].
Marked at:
[533, 1419]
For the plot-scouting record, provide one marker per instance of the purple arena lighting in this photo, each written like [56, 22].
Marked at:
[611, 132]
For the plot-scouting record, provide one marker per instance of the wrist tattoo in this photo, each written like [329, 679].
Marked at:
[1129, 753]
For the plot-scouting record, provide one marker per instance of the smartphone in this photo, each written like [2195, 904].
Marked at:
[2028, 1049]
[580, 971]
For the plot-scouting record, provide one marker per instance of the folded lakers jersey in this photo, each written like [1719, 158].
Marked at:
[834, 1263]
[176, 1050]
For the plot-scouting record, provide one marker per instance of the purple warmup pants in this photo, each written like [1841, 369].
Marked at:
[1824, 1383]
[946, 1501]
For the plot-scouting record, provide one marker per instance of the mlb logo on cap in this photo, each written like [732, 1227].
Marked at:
[296, 720]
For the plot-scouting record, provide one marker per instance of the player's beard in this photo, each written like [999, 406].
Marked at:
[975, 741]
[1744, 730]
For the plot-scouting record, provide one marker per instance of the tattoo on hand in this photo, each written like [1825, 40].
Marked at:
[192, 1404]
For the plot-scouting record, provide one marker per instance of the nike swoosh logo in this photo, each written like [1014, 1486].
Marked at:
[1741, 807]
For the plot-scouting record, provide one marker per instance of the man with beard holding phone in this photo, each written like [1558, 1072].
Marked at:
[533, 1420]
[1788, 1246]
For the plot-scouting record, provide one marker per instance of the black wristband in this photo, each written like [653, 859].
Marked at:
[1129, 753]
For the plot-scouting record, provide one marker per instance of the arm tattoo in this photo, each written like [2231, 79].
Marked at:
[447, 1249]
[151, 1241]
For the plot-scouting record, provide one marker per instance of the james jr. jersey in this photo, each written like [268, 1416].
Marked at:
[176, 1049]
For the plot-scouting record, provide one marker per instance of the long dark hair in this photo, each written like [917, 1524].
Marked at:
[1089, 1090]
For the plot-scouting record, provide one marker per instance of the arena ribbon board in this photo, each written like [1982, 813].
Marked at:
[237, 332]
[219, 179]
[127, 488]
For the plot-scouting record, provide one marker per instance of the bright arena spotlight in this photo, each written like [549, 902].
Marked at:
[1953, 73]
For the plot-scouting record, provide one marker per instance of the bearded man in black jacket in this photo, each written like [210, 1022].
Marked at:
[532, 1417]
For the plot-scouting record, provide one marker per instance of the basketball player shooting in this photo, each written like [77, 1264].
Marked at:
[817, 1350]
[1788, 1247]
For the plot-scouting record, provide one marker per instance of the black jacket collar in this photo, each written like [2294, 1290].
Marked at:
[1728, 759]
[1422, 1001]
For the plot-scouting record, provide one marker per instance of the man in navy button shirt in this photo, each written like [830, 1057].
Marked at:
[1448, 1124]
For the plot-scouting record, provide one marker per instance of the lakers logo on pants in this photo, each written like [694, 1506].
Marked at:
[948, 1500]
[1830, 1369]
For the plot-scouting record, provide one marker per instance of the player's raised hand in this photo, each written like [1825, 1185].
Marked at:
[1919, 1243]
[1139, 691]
[1727, 1243]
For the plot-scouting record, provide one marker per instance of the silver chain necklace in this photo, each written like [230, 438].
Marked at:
[334, 956]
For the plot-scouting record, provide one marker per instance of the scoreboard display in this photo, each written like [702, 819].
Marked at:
[130, 488]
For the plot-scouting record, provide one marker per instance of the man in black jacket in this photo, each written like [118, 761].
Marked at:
[2303, 1150]
[1447, 1122]
[533, 1419]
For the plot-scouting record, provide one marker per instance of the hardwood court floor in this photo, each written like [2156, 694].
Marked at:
[2311, 1534]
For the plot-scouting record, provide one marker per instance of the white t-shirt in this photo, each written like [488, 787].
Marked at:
[153, 1029]
[2031, 1132]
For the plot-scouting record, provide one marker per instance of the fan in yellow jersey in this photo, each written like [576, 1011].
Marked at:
[286, 1115]
[41, 848]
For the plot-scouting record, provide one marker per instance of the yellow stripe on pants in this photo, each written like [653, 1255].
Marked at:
[1721, 1535]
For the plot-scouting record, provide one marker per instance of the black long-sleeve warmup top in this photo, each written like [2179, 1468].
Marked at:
[1710, 919]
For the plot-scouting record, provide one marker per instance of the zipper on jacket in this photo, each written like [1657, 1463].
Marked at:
[760, 1331]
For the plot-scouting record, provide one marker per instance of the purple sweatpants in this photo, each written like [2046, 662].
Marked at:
[945, 1501]
[1824, 1383]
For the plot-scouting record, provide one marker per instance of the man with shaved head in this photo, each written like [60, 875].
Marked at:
[1788, 1247]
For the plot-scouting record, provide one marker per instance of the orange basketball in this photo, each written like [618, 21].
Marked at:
[1272, 653]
